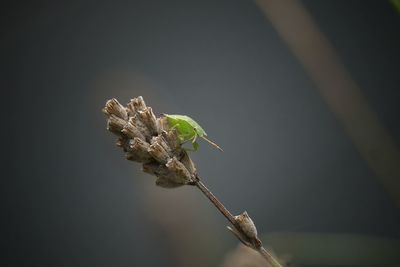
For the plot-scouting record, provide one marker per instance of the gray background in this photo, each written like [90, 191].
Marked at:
[70, 198]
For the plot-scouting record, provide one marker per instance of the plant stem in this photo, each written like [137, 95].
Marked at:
[228, 215]
[218, 204]
[271, 259]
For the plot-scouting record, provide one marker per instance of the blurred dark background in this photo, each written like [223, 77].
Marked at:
[71, 199]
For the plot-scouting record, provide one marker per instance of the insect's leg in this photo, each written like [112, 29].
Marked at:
[194, 143]
[194, 137]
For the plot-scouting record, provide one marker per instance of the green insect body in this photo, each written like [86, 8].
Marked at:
[188, 129]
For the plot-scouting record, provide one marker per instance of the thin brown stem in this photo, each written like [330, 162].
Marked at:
[268, 256]
[253, 243]
[218, 204]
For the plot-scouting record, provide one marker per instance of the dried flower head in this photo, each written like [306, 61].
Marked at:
[149, 140]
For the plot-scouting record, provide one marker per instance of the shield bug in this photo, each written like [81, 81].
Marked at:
[188, 130]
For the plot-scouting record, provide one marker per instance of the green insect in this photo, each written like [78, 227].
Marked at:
[188, 129]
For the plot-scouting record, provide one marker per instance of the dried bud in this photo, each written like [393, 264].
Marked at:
[163, 124]
[115, 108]
[188, 163]
[138, 124]
[138, 104]
[138, 151]
[247, 225]
[166, 177]
[130, 109]
[160, 140]
[154, 168]
[181, 174]
[149, 119]
[158, 153]
[115, 124]
[131, 131]
[165, 183]
[149, 140]
[137, 157]
[171, 137]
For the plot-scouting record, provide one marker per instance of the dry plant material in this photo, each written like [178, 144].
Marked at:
[243, 256]
[150, 141]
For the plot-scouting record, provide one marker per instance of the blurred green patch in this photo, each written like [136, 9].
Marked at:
[335, 249]
[396, 4]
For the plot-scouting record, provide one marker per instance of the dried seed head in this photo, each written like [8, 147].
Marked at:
[130, 109]
[187, 162]
[165, 183]
[138, 103]
[131, 132]
[148, 140]
[162, 124]
[166, 177]
[158, 153]
[115, 108]
[160, 140]
[137, 157]
[149, 119]
[115, 124]
[154, 168]
[138, 124]
[247, 225]
[181, 174]
[138, 151]
[139, 144]
[172, 139]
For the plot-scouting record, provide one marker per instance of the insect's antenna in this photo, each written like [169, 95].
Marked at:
[212, 143]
